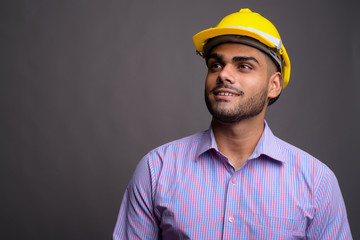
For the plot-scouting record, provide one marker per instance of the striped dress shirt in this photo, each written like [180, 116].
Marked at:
[187, 189]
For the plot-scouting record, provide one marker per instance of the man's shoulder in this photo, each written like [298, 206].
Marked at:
[172, 156]
[293, 151]
[302, 160]
[176, 149]
[190, 141]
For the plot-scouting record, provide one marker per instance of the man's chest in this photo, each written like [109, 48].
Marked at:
[219, 205]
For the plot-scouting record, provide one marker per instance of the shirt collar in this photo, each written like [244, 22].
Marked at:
[207, 142]
[267, 145]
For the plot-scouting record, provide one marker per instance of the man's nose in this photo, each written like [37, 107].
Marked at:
[226, 74]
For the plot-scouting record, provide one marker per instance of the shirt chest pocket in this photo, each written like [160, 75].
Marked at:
[270, 227]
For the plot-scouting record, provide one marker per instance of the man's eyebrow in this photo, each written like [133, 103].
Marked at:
[215, 56]
[219, 57]
[244, 58]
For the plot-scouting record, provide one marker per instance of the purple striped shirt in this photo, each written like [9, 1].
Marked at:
[187, 189]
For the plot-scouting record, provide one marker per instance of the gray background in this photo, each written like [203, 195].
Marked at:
[88, 87]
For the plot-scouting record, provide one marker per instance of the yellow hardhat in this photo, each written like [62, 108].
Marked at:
[253, 25]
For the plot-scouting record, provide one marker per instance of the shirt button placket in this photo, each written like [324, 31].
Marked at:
[233, 181]
[230, 221]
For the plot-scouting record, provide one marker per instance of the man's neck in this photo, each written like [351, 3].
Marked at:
[237, 141]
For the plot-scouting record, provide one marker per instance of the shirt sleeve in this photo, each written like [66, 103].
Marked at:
[136, 219]
[330, 220]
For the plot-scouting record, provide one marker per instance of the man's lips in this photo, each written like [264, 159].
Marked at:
[226, 91]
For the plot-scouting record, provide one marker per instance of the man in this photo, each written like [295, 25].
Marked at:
[235, 180]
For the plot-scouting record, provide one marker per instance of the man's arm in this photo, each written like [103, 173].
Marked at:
[330, 219]
[136, 218]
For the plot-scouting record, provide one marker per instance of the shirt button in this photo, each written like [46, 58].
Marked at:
[231, 219]
[233, 181]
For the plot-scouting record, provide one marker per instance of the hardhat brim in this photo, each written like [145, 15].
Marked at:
[201, 38]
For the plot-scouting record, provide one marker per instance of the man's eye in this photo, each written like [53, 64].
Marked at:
[215, 66]
[245, 67]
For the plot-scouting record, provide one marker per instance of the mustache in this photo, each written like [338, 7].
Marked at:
[239, 91]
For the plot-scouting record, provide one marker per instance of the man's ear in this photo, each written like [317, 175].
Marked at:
[275, 85]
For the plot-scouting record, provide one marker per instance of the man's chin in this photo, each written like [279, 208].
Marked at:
[226, 116]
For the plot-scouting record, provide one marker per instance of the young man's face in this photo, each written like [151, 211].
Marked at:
[237, 82]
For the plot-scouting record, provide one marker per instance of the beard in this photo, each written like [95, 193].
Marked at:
[250, 108]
